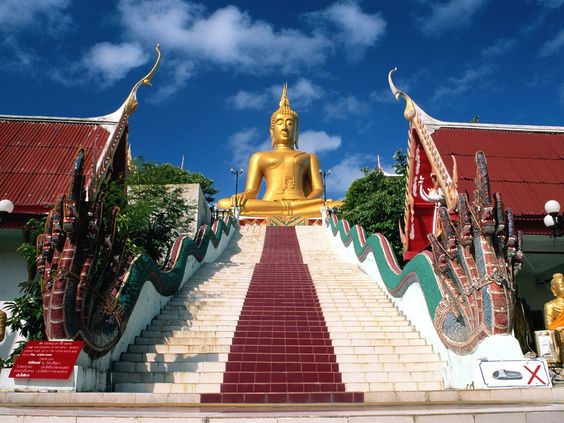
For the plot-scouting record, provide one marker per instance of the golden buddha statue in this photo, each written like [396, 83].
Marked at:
[554, 310]
[294, 186]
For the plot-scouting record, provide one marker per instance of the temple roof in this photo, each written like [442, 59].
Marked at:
[37, 156]
[526, 163]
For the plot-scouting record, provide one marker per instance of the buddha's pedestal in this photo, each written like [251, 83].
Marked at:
[549, 345]
[280, 220]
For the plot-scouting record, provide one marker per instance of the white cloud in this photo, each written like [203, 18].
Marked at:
[21, 57]
[384, 95]
[301, 94]
[352, 27]
[111, 62]
[50, 16]
[304, 92]
[247, 100]
[318, 141]
[550, 4]
[450, 15]
[195, 38]
[243, 144]
[471, 79]
[227, 37]
[499, 47]
[177, 73]
[230, 39]
[553, 46]
[342, 107]
[345, 172]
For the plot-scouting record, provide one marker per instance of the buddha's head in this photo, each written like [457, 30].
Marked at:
[557, 285]
[284, 128]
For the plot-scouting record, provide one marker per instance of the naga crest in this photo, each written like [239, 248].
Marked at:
[81, 264]
[477, 256]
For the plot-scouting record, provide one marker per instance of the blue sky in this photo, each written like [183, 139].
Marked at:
[224, 64]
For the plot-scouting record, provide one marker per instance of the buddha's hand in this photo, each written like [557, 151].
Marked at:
[244, 196]
[239, 199]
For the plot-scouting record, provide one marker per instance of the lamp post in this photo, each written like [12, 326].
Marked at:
[6, 207]
[553, 220]
[236, 173]
[324, 176]
[213, 213]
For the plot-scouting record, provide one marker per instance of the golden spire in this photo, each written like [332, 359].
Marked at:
[284, 108]
[409, 112]
[131, 102]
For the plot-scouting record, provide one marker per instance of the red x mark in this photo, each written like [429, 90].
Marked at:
[534, 375]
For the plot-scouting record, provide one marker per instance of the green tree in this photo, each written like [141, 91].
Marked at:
[26, 311]
[149, 173]
[376, 201]
[153, 217]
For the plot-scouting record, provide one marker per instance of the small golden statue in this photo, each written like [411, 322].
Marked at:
[294, 186]
[554, 310]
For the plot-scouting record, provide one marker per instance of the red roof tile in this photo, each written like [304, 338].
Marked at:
[527, 168]
[37, 156]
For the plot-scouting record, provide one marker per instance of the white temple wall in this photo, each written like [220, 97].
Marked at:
[13, 270]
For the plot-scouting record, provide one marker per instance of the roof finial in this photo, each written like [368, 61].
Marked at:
[131, 102]
[409, 112]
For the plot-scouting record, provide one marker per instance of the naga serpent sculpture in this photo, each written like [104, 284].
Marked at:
[90, 284]
[468, 279]
[476, 256]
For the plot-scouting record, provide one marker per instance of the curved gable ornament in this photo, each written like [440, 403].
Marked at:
[409, 112]
[131, 102]
[415, 116]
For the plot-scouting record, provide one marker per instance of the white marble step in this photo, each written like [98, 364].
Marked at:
[377, 348]
[181, 349]
[147, 358]
[184, 376]
[166, 388]
[185, 348]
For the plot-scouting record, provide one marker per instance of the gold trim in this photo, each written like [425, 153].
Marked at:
[437, 164]
[409, 112]
[454, 173]
[131, 102]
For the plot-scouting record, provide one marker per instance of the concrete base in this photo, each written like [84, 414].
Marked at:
[475, 406]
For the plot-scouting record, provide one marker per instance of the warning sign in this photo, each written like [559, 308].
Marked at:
[514, 373]
[46, 360]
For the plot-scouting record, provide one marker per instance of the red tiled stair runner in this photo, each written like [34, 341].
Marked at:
[281, 350]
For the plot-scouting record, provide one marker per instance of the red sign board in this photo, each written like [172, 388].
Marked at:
[46, 360]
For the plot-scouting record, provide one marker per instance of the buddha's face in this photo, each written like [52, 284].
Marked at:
[284, 130]
[557, 286]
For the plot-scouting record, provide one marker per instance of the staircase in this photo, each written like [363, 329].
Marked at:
[377, 348]
[185, 348]
[279, 318]
[282, 351]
